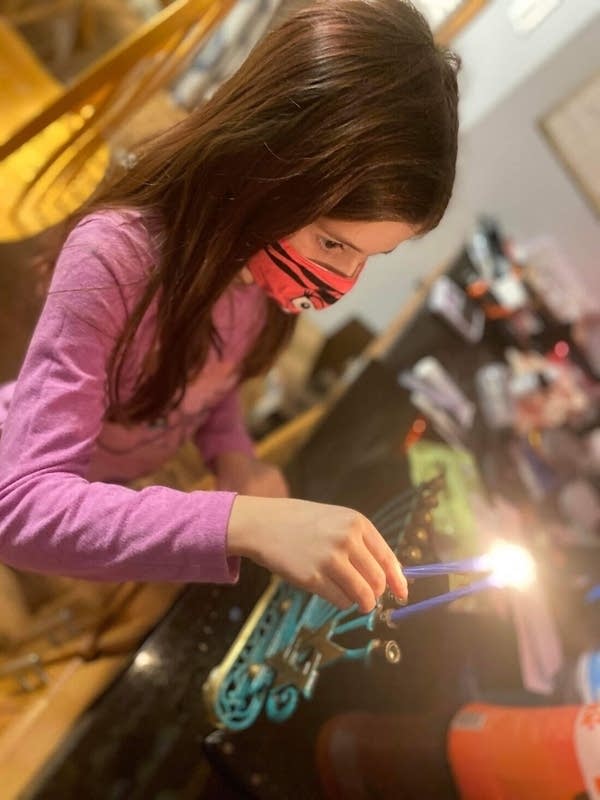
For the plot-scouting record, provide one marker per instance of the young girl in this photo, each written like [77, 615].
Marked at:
[336, 140]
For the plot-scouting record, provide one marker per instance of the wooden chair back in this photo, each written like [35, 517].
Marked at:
[54, 141]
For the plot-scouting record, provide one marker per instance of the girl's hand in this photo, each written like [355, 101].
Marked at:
[238, 472]
[332, 551]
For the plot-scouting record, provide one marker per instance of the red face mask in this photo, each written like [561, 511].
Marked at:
[294, 282]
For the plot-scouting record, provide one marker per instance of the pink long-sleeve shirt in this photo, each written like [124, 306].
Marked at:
[62, 508]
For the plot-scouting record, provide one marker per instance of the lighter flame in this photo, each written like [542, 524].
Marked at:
[510, 565]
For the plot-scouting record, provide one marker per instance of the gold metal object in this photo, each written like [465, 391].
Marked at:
[422, 536]
[412, 554]
[392, 652]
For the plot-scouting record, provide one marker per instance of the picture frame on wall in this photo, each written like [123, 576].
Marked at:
[571, 130]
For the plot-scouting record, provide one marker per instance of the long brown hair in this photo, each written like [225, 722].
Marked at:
[347, 110]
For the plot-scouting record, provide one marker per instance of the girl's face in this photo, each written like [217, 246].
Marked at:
[319, 264]
[338, 247]
[344, 246]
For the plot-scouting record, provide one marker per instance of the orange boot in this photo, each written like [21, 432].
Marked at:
[512, 753]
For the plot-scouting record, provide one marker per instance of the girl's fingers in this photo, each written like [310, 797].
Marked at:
[352, 583]
[385, 557]
[330, 591]
[367, 565]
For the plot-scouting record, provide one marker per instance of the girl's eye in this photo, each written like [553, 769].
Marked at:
[330, 244]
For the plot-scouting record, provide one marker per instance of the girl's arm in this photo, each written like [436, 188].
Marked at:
[224, 431]
[52, 519]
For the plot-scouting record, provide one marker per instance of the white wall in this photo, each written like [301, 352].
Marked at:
[505, 167]
[511, 170]
[496, 60]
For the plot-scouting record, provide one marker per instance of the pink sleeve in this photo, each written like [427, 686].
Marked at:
[52, 519]
[224, 430]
